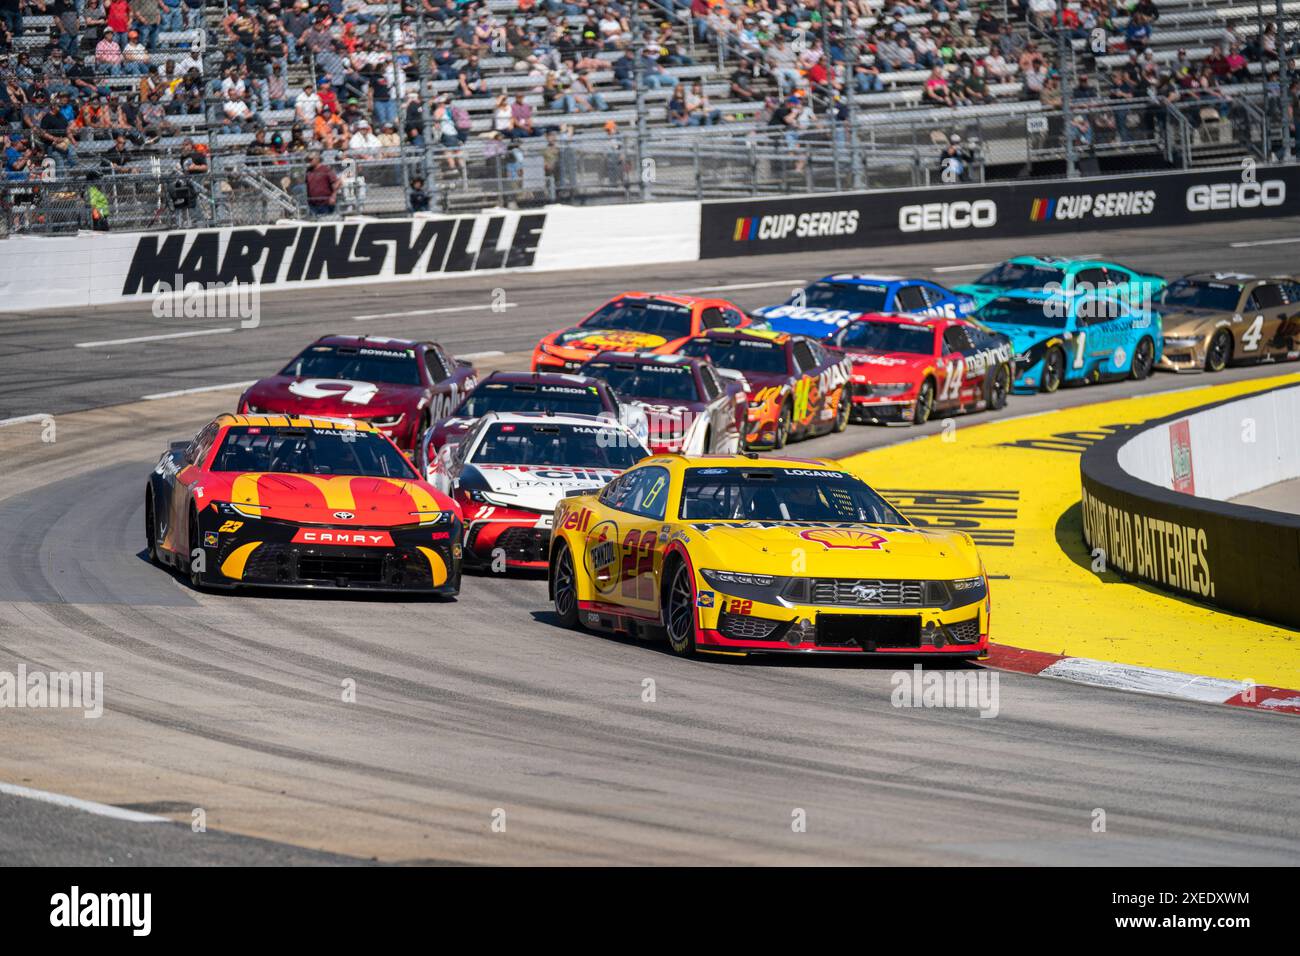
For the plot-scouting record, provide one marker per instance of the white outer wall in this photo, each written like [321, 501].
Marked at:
[90, 268]
[1224, 463]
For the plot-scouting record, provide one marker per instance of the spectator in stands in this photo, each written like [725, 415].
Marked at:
[955, 161]
[108, 55]
[307, 105]
[581, 94]
[418, 198]
[1238, 66]
[55, 134]
[654, 76]
[936, 89]
[699, 111]
[135, 58]
[118, 19]
[744, 83]
[118, 157]
[322, 187]
[1137, 34]
[975, 86]
[470, 78]
[782, 64]
[148, 19]
[364, 140]
[521, 115]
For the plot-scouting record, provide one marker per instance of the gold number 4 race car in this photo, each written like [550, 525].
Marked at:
[734, 555]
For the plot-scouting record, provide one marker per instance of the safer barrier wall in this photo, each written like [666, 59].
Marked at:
[1153, 504]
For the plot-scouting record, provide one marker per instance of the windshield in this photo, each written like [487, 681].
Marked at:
[781, 494]
[642, 315]
[851, 297]
[1040, 312]
[311, 451]
[528, 397]
[650, 381]
[543, 443]
[1022, 275]
[393, 366]
[1188, 294]
[888, 337]
[745, 355]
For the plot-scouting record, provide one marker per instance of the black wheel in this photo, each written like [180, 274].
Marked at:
[783, 427]
[679, 610]
[151, 529]
[565, 587]
[1220, 350]
[1144, 359]
[846, 407]
[1053, 370]
[924, 403]
[999, 386]
[196, 578]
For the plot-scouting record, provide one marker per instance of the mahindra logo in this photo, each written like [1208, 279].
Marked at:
[864, 594]
[344, 515]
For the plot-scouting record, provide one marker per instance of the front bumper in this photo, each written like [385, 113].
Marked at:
[881, 409]
[1182, 359]
[522, 543]
[263, 552]
[569, 360]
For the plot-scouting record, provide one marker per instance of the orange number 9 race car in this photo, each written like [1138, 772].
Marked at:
[737, 555]
[300, 502]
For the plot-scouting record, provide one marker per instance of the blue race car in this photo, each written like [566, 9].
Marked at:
[823, 308]
[1062, 274]
[1073, 339]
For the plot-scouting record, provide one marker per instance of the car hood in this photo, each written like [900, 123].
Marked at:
[334, 397]
[885, 366]
[1186, 322]
[980, 293]
[607, 340]
[535, 487]
[338, 501]
[806, 320]
[1025, 336]
[833, 550]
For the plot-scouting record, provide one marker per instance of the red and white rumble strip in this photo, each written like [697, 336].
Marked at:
[1144, 680]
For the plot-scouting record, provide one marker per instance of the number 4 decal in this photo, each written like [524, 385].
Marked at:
[1250, 338]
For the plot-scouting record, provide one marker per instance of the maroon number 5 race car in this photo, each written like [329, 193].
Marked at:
[906, 368]
[397, 385]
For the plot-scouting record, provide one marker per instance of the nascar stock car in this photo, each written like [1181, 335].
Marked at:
[557, 392]
[905, 368]
[1062, 274]
[635, 321]
[398, 385]
[796, 388]
[737, 555]
[1073, 338]
[511, 469]
[692, 407]
[820, 309]
[1216, 319]
[300, 502]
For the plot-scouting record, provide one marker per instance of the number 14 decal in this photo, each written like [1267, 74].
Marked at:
[952, 380]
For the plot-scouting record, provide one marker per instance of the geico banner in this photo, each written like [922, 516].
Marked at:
[887, 217]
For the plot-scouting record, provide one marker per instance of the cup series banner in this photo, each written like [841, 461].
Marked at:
[820, 221]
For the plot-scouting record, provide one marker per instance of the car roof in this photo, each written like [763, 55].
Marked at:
[294, 421]
[677, 298]
[647, 358]
[542, 378]
[1226, 277]
[679, 461]
[780, 338]
[370, 342]
[863, 278]
[535, 418]
[898, 318]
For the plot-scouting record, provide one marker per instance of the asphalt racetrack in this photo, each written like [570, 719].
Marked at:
[483, 711]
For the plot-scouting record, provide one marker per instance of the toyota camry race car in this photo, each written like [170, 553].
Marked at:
[1215, 319]
[555, 392]
[397, 385]
[692, 407]
[796, 388]
[905, 368]
[300, 502]
[510, 471]
[635, 321]
[1061, 274]
[824, 307]
[736, 555]
[1073, 338]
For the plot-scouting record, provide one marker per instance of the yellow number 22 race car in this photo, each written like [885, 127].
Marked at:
[737, 555]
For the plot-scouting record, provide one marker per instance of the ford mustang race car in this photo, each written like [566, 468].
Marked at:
[906, 368]
[635, 321]
[828, 304]
[691, 406]
[1214, 319]
[1073, 338]
[1061, 274]
[300, 502]
[510, 471]
[397, 385]
[736, 555]
[556, 392]
[796, 388]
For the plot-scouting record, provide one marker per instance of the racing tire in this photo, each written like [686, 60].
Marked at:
[1053, 370]
[151, 529]
[564, 588]
[782, 427]
[999, 388]
[1144, 360]
[679, 609]
[195, 577]
[842, 413]
[924, 403]
[1220, 350]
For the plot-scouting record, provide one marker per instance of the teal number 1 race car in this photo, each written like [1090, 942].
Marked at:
[1057, 274]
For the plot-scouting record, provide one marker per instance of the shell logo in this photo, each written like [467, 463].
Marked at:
[844, 538]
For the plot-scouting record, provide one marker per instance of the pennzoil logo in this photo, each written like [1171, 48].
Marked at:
[854, 539]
